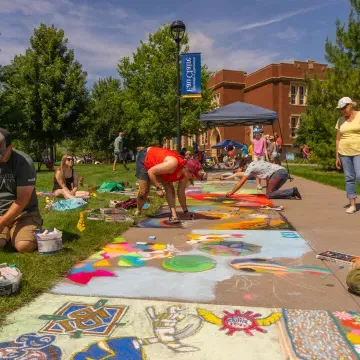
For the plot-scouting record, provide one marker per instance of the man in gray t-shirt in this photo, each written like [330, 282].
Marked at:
[19, 211]
[119, 151]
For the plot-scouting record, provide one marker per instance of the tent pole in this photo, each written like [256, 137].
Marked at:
[287, 164]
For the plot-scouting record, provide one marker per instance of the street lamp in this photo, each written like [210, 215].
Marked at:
[177, 31]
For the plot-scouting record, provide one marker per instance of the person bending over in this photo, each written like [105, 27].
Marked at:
[66, 180]
[19, 210]
[164, 167]
[275, 176]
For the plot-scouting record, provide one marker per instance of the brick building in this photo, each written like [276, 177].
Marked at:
[278, 87]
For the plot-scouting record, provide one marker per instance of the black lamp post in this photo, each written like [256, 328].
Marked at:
[177, 31]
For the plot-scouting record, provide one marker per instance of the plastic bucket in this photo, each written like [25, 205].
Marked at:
[49, 245]
[10, 285]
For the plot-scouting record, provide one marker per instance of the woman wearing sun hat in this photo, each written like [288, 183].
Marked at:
[348, 148]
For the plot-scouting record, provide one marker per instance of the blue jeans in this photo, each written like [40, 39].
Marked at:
[351, 166]
[276, 181]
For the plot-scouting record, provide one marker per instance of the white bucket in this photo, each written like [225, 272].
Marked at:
[49, 243]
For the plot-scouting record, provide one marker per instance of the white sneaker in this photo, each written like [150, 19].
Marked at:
[259, 187]
[351, 210]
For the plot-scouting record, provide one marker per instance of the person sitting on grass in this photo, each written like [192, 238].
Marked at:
[66, 180]
[19, 209]
[275, 176]
[161, 166]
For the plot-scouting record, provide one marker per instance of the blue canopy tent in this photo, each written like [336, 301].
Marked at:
[241, 114]
[225, 143]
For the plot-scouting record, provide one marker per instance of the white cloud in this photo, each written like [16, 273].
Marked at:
[101, 35]
[289, 33]
[26, 7]
[8, 51]
[275, 19]
[220, 57]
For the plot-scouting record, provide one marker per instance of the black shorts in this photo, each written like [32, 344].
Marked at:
[119, 155]
[141, 172]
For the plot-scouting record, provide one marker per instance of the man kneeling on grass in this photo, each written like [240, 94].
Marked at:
[275, 176]
[19, 211]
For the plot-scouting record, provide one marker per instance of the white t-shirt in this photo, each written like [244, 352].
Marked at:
[262, 169]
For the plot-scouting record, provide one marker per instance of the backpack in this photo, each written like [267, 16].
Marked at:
[109, 186]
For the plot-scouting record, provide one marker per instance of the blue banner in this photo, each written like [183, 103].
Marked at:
[191, 75]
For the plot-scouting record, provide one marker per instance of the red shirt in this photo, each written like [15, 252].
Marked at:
[156, 155]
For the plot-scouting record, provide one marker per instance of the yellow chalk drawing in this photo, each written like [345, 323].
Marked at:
[81, 223]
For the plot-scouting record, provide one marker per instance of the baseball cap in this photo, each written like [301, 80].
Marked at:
[343, 102]
[194, 167]
[353, 281]
[5, 136]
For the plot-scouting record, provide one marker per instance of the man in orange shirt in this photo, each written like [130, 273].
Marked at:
[279, 145]
[161, 166]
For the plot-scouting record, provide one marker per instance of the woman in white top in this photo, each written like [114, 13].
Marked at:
[275, 176]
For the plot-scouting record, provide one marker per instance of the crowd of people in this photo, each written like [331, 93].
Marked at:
[19, 211]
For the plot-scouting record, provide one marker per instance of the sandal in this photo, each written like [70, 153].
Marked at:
[174, 220]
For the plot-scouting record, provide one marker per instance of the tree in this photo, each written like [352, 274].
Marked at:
[45, 92]
[317, 126]
[106, 114]
[150, 90]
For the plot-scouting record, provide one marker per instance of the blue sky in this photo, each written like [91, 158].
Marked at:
[233, 34]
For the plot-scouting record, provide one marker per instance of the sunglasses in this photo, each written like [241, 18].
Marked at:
[69, 159]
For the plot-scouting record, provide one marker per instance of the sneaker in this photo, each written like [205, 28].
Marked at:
[351, 210]
[259, 187]
[296, 193]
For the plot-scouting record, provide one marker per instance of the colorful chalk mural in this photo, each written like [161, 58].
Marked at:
[273, 267]
[189, 263]
[242, 218]
[349, 323]
[229, 248]
[241, 200]
[246, 322]
[314, 334]
[166, 331]
[30, 346]
[208, 254]
[154, 330]
[116, 255]
[219, 188]
[76, 319]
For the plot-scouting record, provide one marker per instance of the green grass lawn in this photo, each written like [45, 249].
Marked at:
[40, 272]
[314, 173]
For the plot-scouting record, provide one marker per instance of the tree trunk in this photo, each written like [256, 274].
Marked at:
[51, 151]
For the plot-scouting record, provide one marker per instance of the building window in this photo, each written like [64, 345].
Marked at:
[297, 94]
[301, 95]
[294, 125]
[293, 94]
[204, 138]
[216, 100]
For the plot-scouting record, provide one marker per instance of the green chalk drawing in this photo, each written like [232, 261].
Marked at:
[189, 263]
[100, 303]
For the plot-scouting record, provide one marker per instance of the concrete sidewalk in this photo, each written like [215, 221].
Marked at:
[321, 219]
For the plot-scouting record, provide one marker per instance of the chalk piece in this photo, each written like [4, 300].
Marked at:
[141, 243]
[341, 267]
[152, 238]
[323, 277]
